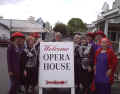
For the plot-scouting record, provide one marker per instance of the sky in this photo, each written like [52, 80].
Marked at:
[52, 10]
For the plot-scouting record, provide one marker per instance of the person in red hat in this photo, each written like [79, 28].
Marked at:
[98, 36]
[30, 65]
[36, 35]
[14, 51]
[105, 66]
[90, 37]
[37, 39]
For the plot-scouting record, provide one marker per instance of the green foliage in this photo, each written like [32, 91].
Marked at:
[60, 27]
[76, 25]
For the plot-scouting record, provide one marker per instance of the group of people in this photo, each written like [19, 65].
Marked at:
[94, 62]
[23, 62]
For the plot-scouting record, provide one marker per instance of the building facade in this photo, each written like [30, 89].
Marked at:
[109, 23]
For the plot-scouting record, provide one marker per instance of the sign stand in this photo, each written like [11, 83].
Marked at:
[40, 90]
[72, 90]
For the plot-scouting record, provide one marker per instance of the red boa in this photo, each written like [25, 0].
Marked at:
[112, 63]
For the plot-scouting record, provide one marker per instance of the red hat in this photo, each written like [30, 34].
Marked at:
[100, 33]
[35, 34]
[90, 34]
[17, 34]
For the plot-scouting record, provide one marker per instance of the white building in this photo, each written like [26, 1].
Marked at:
[109, 23]
[4, 32]
[7, 26]
[91, 27]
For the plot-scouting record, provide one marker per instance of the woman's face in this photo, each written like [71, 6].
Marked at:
[83, 41]
[98, 37]
[20, 41]
[89, 38]
[76, 39]
[31, 42]
[104, 43]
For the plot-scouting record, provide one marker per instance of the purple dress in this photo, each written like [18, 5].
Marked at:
[101, 79]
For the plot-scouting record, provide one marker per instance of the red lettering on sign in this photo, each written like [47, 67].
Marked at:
[56, 82]
[53, 48]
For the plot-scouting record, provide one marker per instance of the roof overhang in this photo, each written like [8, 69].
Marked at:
[27, 30]
[111, 12]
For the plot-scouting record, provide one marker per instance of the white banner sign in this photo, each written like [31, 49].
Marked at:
[56, 65]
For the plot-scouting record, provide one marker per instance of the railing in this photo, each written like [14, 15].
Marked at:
[115, 46]
[117, 76]
[117, 73]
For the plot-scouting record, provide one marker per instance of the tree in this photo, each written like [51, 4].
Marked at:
[60, 27]
[76, 25]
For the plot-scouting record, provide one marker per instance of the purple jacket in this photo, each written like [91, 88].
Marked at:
[13, 60]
